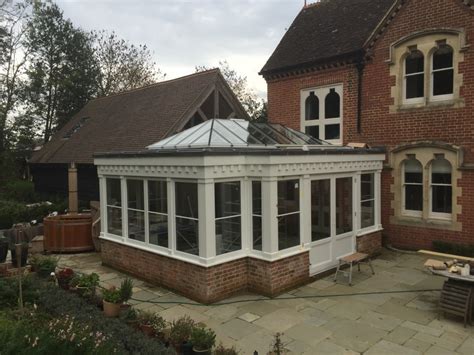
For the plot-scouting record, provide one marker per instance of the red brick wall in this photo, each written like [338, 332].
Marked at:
[211, 284]
[382, 128]
[370, 243]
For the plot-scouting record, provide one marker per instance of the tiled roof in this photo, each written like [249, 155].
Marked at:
[325, 30]
[129, 121]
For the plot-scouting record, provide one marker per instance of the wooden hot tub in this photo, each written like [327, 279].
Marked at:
[68, 233]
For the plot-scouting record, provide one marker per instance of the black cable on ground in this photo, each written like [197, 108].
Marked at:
[285, 298]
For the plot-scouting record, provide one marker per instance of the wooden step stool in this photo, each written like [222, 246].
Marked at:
[353, 259]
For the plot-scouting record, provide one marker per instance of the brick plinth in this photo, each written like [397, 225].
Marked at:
[208, 284]
[370, 243]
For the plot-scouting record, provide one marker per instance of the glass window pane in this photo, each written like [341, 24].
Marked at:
[442, 199]
[136, 225]
[187, 232]
[114, 220]
[313, 131]
[332, 131]
[257, 197]
[367, 212]
[333, 105]
[415, 86]
[441, 172]
[443, 82]
[414, 63]
[413, 171]
[367, 187]
[288, 196]
[228, 235]
[114, 192]
[414, 197]
[443, 58]
[257, 232]
[312, 107]
[343, 205]
[135, 194]
[288, 231]
[158, 229]
[186, 199]
[320, 209]
[227, 199]
[157, 196]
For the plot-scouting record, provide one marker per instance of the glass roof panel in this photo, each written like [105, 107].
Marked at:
[236, 133]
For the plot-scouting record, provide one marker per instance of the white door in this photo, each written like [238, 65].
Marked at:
[332, 221]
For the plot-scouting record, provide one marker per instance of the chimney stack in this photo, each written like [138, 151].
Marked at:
[72, 183]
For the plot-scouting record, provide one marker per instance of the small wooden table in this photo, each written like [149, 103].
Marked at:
[457, 295]
[353, 259]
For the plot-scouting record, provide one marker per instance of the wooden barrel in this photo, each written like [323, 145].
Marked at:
[68, 233]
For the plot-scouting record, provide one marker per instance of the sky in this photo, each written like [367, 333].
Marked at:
[186, 33]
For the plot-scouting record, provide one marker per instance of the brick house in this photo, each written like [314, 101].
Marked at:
[397, 74]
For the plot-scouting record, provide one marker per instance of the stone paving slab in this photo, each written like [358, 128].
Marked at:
[329, 318]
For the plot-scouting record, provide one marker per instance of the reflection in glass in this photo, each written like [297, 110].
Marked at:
[343, 205]
[187, 231]
[320, 209]
[158, 229]
[257, 215]
[136, 225]
[367, 204]
[288, 214]
[228, 220]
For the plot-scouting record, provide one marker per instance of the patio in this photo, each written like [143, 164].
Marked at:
[321, 317]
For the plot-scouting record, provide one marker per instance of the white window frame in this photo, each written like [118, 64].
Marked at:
[440, 215]
[289, 214]
[321, 92]
[176, 216]
[128, 178]
[376, 226]
[415, 100]
[405, 212]
[106, 221]
[445, 97]
[240, 215]
[147, 214]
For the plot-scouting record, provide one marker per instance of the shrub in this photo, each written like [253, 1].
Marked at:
[153, 320]
[44, 265]
[86, 280]
[126, 289]
[9, 291]
[111, 295]
[57, 303]
[181, 330]
[221, 350]
[203, 339]
[453, 248]
[19, 190]
[12, 212]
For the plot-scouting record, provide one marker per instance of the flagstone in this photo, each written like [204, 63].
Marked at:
[417, 345]
[238, 329]
[467, 346]
[422, 328]
[356, 336]
[173, 313]
[280, 320]
[249, 317]
[387, 348]
[307, 333]
[400, 335]
[381, 321]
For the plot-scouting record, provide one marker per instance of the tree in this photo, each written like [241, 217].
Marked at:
[255, 106]
[123, 66]
[13, 56]
[62, 72]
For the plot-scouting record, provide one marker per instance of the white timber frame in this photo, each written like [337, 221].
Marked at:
[206, 170]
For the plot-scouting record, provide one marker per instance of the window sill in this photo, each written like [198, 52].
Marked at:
[369, 230]
[430, 222]
[430, 105]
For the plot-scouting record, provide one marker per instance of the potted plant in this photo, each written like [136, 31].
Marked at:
[180, 334]
[203, 340]
[131, 317]
[126, 291]
[111, 301]
[85, 284]
[64, 277]
[45, 265]
[3, 249]
[151, 324]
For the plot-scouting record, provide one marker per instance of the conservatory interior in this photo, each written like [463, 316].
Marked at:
[231, 205]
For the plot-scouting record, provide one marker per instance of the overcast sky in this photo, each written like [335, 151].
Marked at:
[186, 33]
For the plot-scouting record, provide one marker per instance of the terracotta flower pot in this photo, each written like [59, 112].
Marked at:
[111, 310]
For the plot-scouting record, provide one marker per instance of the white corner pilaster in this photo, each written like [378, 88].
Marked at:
[207, 230]
[305, 208]
[103, 203]
[269, 215]
[123, 186]
[171, 206]
[378, 198]
[246, 213]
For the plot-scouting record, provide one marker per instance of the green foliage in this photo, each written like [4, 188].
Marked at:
[453, 248]
[86, 280]
[56, 303]
[112, 295]
[152, 319]
[44, 265]
[9, 291]
[12, 212]
[181, 330]
[203, 339]
[39, 334]
[126, 289]
[19, 190]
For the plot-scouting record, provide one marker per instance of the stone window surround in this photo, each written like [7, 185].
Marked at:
[426, 42]
[425, 153]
